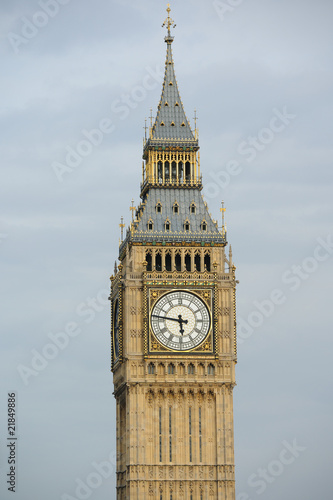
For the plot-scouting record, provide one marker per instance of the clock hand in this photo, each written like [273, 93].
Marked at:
[180, 320]
[164, 317]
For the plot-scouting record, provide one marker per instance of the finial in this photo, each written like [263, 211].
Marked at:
[145, 127]
[122, 225]
[168, 23]
[133, 208]
[195, 124]
[222, 209]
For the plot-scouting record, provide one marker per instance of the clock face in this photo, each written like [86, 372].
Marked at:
[116, 329]
[180, 320]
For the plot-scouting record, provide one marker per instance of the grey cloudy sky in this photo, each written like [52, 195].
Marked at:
[259, 73]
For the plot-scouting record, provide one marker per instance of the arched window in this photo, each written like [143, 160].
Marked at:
[180, 171]
[211, 369]
[171, 369]
[160, 171]
[151, 368]
[187, 171]
[175, 208]
[178, 262]
[207, 262]
[174, 170]
[190, 369]
[192, 208]
[167, 225]
[158, 262]
[203, 225]
[149, 261]
[150, 225]
[168, 261]
[188, 262]
[187, 225]
[197, 262]
[158, 208]
[167, 171]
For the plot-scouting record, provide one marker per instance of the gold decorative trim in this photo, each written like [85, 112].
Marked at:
[152, 295]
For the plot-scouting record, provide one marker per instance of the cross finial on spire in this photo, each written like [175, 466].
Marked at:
[168, 23]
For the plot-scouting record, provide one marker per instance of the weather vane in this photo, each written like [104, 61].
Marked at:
[169, 22]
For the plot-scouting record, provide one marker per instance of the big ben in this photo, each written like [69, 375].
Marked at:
[173, 335]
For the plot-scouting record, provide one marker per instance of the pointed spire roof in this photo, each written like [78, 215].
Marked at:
[171, 121]
[171, 126]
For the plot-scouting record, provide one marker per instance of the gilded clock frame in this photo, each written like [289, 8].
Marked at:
[206, 293]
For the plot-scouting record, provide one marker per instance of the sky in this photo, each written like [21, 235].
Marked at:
[78, 79]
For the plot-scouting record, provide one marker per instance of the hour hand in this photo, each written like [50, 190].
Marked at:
[181, 321]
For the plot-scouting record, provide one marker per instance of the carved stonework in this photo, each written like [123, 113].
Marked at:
[174, 401]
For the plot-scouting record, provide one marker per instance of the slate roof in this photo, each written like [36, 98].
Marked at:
[170, 109]
[167, 198]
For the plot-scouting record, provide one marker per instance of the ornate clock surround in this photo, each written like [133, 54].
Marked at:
[206, 290]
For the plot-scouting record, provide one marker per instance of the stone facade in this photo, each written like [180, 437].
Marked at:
[174, 407]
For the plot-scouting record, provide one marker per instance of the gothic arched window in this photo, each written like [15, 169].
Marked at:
[188, 262]
[190, 369]
[149, 261]
[211, 369]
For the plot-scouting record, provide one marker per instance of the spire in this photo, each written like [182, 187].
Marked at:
[171, 121]
[170, 153]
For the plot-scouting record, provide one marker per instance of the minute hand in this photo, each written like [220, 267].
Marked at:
[179, 320]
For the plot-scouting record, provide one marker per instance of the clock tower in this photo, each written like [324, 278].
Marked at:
[173, 335]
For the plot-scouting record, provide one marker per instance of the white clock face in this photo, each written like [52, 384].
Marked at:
[180, 320]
